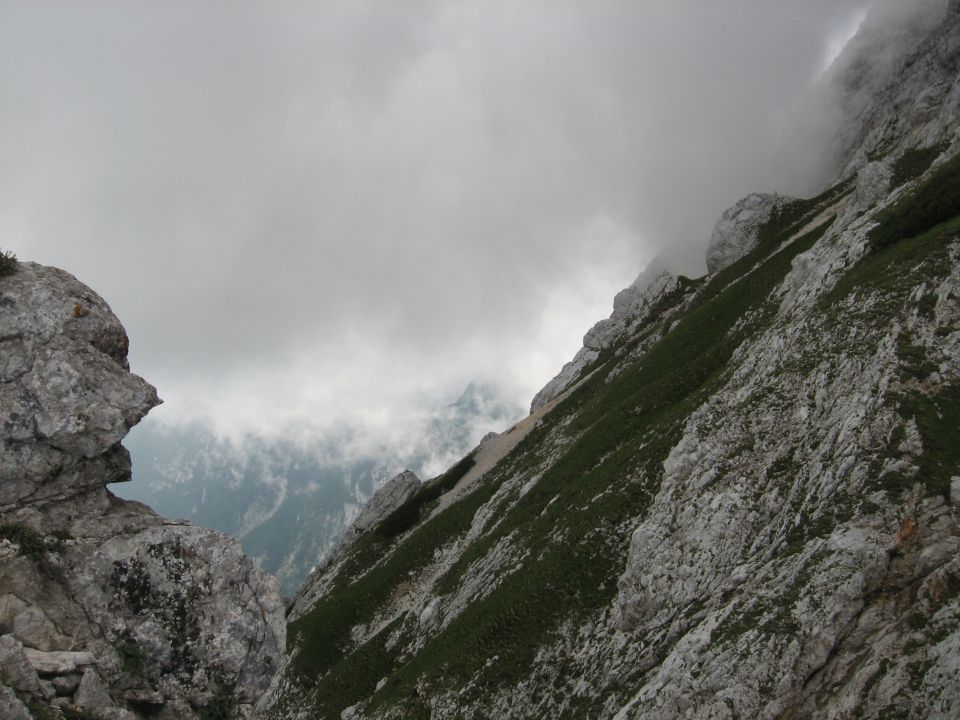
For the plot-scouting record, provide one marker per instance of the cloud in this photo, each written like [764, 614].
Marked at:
[336, 209]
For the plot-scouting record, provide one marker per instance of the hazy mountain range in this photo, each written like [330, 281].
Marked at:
[289, 503]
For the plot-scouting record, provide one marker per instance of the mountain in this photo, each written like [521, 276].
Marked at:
[289, 503]
[738, 500]
[107, 610]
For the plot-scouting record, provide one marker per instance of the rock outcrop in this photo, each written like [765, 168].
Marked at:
[737, 231]
[391, 495]
[105, 607]
[632, 308]
[895, 83]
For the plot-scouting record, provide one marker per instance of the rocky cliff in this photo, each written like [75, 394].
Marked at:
[739, 500]
[107, 611]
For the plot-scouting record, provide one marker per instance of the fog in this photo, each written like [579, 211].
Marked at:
[311, 214]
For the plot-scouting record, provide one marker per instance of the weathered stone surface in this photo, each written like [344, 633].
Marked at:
[15, 668]
[66, 684]
[10, 706]
[391, 495]
[896, 83]
[113, 595]
[32, 627]
[67, 395]
[736, 232]
[10, 607]
[92, 692]
[58, 662]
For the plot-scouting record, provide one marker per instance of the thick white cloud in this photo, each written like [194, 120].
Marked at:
[316, 211]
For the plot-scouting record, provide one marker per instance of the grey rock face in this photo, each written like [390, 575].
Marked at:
[385, 500]
[107, 606]
[10, 706]
[66, 395]
[897, 83]
[735, 233]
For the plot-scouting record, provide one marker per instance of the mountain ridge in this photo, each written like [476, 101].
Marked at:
[745, 505]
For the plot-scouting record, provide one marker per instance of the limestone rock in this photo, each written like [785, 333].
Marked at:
[32, 627]
[58, 662]
[15, 667]
[896, 83]
[10, 607]
[388, 497]
[92, 693]
[107, 597]
[735, 233]
[10, 706]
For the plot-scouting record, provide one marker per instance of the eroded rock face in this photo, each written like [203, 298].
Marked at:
[105, 606]
[736, 232]
[391, 495]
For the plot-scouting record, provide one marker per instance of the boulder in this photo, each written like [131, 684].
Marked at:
[15, 667]
[10, 706]
[737, 231]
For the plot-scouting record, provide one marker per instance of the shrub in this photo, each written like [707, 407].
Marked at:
[222, 707]
[131, 657]
[935, 201]
[32, 544]
[8, 263]
[914, 163]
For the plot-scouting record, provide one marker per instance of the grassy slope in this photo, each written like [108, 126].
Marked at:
[621, 428]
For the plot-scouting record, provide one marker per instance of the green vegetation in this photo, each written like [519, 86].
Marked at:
[223, 706]
[69, 712]
[32, 543]
[933, 202]
[937, 416]
[409, 514]
[914, 163]
[41, 711]
[8, 263]
[895, 271]
[131, 658]
[618, 428]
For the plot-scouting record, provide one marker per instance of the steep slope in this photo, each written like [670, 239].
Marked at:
[741, 503]
[107, 611]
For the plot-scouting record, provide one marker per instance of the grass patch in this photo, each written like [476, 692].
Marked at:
[569, 524]
[132, 659]
[914, 163]
[410, 512]
[223, 706]
[935, 201]
[895, 270]
[31, 543]
[8, 263]
[937, 416]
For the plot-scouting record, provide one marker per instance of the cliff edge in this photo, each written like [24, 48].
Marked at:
[106, 608]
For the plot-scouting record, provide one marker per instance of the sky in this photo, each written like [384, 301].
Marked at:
[312, 214]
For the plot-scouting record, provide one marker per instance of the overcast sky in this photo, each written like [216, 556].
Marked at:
[307, 213]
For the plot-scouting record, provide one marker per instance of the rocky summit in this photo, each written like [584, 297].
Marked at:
[740, 498]
[107, 611]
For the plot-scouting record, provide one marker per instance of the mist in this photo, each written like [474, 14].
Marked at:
[311, 215]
